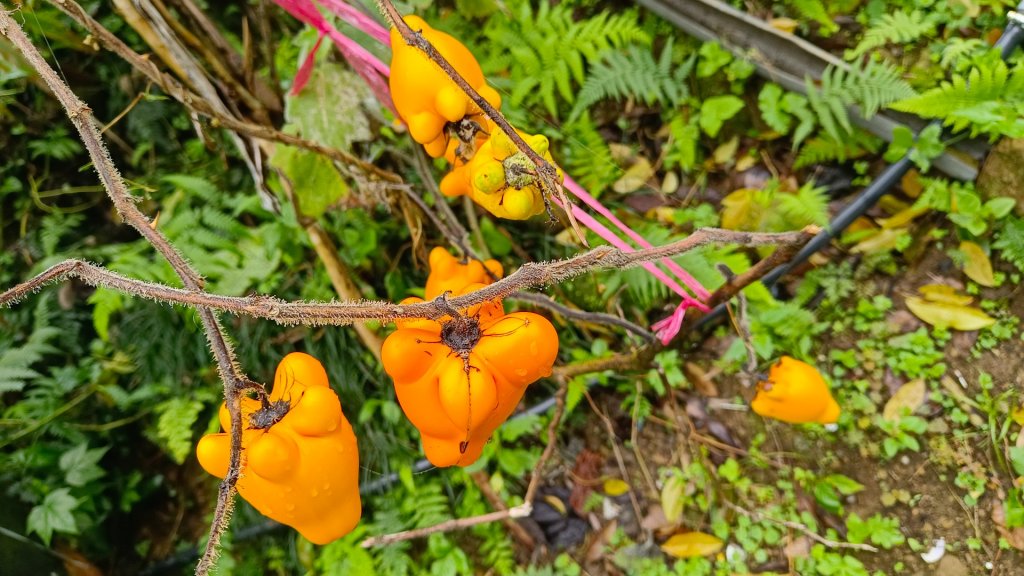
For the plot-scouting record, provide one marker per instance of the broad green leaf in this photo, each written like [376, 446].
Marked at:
[53, 515]
[1017, 459]
[80, 464]
[942, 314]
[315, 181]
[690, 544]
[907, 399]
[977, 266]
[329, 109]
[716, 110]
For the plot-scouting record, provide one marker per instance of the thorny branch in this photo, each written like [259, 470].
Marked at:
[312, 313]
[547, 174]
[234, 381]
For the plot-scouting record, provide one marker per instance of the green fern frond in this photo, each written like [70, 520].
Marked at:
[824, 150]
[543, 53]
[896, 28]
[634, 73]
[814, 10]
[871, 86]
[958, 52]
[587, 156]
[989, 99]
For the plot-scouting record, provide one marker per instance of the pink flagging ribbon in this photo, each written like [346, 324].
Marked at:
[356, 18]
[362, 60]
[365, 64]
[579, 192]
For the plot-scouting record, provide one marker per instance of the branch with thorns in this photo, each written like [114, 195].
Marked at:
[235, 382]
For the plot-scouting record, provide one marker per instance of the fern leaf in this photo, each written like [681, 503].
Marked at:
[587, 156]
[814, 10]
[896, 28]
[634, 73]
[988, 99]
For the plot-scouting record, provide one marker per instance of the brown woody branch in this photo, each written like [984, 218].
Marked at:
[529, 275]
[234, 381]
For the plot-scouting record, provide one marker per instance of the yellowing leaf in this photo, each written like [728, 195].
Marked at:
[725, 153]
[943, 293]
[906, 400]
[615, 487]
[885, 240]
[903, 217]
[690, 544]
[947, 315]
[785, 25]
[977, 267]
[744, 209]
[1018, 415]
[672, 498]
[557, 504]
[635, 177]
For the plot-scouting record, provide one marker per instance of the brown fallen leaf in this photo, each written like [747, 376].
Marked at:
[691, 544]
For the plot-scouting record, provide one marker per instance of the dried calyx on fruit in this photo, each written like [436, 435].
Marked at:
[428, 101]
[501, 177]
[460, 377]
[289, 438]
[795, 392]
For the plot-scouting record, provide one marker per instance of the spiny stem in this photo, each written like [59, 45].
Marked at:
[81, 116]
[529, 275]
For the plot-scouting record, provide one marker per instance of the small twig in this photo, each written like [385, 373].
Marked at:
[458, 235]
[634, 440]
[482, 481]
[742, 326]
[583, 315]
[547, 174]
[521, 511]
[802, 529]
[613, 439]
[549, 449]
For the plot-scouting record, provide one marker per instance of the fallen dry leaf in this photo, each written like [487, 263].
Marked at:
[635, 177]
[977, 267]
[944, 293]
[690, 544]
[942, 307]
[906, 400]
